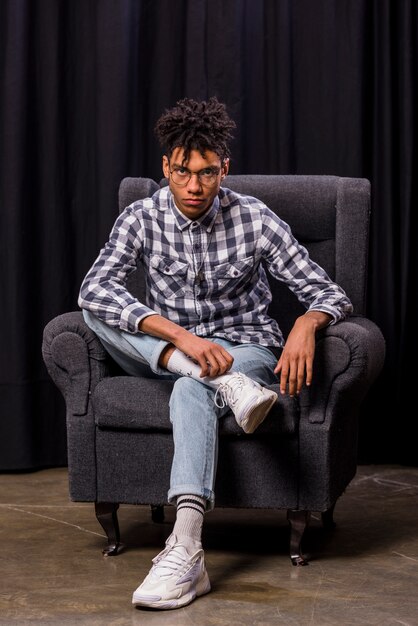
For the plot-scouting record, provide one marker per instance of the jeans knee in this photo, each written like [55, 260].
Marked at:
[192, 401]
[186, 388]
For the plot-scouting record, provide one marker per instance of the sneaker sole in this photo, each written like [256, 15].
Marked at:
[258, 414]
[202, 588]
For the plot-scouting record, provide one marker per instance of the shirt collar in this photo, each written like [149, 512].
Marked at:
[206, 221]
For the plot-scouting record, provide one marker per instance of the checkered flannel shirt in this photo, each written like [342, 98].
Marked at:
[206, 275]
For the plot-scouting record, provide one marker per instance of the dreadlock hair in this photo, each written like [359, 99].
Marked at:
[194, 125]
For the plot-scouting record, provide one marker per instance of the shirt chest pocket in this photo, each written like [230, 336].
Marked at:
[168, 276]
[234, 274]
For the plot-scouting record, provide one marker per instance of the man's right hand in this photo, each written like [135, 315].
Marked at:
[212, 358]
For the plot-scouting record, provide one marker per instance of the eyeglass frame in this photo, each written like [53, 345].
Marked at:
[215, 170]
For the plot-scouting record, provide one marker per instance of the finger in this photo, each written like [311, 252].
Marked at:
[213, 365]
[300, 377]
[220, 361]
[205, 371]
[204, 365]
[309, 372]
[228, 358]
[293, 379]
[216, 362]
[284, 375]
[225, 361]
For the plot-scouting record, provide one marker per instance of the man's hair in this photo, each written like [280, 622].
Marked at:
[194, 125]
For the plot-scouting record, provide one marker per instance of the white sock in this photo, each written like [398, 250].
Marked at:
[189, 521]
[179, 363]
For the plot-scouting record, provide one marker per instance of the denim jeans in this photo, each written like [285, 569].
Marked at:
[193, 413]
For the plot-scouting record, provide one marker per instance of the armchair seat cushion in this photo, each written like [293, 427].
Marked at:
[132, 403]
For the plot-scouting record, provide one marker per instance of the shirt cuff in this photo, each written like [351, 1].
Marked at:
[132, 315]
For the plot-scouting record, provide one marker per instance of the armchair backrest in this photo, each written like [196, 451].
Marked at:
[329, 215]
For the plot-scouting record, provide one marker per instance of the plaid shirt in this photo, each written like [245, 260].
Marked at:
[206, 275]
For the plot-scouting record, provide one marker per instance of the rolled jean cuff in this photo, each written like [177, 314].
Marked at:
[160, 345]
[192, 490]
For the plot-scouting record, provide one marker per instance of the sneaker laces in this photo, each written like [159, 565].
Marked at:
[169, 562]
[227, 394]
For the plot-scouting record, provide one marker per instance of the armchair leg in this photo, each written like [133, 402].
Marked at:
[328, 518]
[106, 513]
[157, 513]
[298, 521]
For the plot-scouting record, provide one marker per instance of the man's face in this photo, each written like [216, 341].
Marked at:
[193, 197]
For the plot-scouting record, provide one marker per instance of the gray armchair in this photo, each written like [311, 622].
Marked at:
[304, 455]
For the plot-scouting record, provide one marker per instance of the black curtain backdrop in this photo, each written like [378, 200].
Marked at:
[315, 86]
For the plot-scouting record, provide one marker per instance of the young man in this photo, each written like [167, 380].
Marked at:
[205, 323]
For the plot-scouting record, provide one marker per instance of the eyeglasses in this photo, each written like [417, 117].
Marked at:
[207, 177]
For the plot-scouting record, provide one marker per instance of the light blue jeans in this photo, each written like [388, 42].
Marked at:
[193, 413]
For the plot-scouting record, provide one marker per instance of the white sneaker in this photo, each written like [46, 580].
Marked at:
[249, 401]
[175, 579]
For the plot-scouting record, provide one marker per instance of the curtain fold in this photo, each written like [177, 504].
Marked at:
[324, 87]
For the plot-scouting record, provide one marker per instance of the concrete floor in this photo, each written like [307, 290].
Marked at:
[364, 572]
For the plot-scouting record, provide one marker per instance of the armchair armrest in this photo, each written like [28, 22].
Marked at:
[366, 343]
[349, 356]
[75, 359]
[348, 359]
